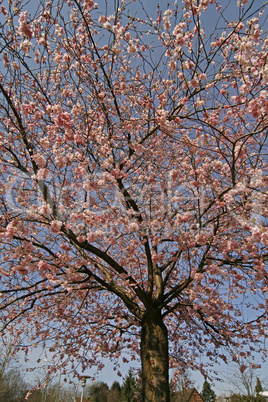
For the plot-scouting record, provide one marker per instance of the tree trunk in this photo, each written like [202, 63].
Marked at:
[154, 358]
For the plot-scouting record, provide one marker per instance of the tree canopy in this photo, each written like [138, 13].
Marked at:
[133, 181]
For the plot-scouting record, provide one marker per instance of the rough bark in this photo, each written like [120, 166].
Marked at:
[154, 357]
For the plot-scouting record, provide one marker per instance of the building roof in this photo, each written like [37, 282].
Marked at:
[188, 395]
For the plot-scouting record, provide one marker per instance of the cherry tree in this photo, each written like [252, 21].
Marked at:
[133, 181]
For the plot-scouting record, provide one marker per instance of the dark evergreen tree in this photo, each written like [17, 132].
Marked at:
[98, 392]
[114, 392]
[207, 393]
[258, 387]
[130, 391]
[116, 386]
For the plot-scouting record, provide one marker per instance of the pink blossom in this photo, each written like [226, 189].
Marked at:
[42, 174]
[55, 226]
[3, 10]
[166, 22]
[10, 231]
[127, 36]
[198, 276]
[60, 161]
[91, 237]
[133, 226]
[88, 4]
[194, 83]
[132, 48]
[201, 238]
[40, 160]
[256, 233]
[242, 368]
[41, 40]
[102, 19]
[241, 2]
[24, 26]
[45, 209]
[264, 238]
[43, 265]
[25, 45]
[156, 224]
[107, 25]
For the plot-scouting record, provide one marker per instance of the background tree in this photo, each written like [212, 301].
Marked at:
[243, 378]
[181, 383]
[13, 388]
[51, 393]
[246, 398]
[134, 181]
[130, 390]
[115, 392]
[258, 387]
[207, 393]
[98, 392]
